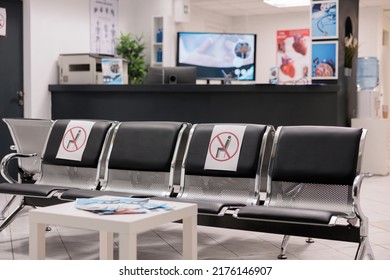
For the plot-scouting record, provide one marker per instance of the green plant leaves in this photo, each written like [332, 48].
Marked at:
[132, 49]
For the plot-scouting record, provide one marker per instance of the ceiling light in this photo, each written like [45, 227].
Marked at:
[287, 3]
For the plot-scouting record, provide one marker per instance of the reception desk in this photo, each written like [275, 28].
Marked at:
[260, 103]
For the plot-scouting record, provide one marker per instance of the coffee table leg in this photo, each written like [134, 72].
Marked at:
[37, 241]
[190, 238]
[106, 245]
[127, 246]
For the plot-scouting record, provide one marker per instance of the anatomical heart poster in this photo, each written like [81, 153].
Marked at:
[294, 56]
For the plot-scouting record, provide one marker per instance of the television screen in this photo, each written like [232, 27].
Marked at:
[218, 55]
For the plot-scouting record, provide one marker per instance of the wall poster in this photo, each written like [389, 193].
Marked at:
[104, 26]
[324, 60]
[324, 20]
[3, 22]
[293, 56]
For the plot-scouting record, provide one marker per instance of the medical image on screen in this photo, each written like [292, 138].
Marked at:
[218, 55]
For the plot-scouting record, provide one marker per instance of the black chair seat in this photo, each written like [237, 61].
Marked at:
[73, 194]
[204, 207]
[292, 215]
[29, 189]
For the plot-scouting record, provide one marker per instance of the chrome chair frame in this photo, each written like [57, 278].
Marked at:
[113, 183]
[355, 228]
[228, 204]
[27, 152]
[55, 178]
[131, 169]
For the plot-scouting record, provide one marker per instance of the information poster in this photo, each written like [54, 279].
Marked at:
[104, 26]
[324, 20]
[324, 59]
[3, 22]
[293, 56]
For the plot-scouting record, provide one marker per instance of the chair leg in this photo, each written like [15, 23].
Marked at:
[283, 247]
[2, 217]
[364, 250]
[12, 216]
[310, 240]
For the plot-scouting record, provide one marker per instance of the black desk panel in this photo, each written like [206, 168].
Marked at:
[264, 104]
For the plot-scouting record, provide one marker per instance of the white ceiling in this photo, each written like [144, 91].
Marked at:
[257, 7]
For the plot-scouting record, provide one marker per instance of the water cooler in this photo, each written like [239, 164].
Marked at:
[367, 79]
[376, 156]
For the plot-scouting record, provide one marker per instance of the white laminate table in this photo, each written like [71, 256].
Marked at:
[126, 225]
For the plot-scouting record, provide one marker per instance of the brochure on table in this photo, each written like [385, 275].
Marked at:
[119, 205]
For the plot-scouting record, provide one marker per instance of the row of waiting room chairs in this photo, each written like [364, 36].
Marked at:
[297, 180]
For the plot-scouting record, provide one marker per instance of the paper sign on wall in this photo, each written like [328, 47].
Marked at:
[3, 22]
[293, 56]
[75, 140]
[104, 29]
[224, 147]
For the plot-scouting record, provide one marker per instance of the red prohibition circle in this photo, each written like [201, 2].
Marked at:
[73, 137]
[217, 138]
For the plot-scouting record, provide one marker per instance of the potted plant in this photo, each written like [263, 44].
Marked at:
[131, 48]
[351, 47]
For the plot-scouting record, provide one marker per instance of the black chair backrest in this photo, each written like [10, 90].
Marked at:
[249, 154]
[144, 146]
[240, 184]
[144, 158]
[316, 154]
[74, 153]
[93, 143]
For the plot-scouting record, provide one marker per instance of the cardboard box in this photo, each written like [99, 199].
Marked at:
[114, 71]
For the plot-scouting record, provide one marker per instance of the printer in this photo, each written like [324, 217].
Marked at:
[86, 68]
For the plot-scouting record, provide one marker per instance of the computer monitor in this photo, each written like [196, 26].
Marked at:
[218, 55]
[172, 75]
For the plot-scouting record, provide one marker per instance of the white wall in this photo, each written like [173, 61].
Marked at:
[142, 13]
[370, 39]
[371, 44]
[206, 21]
[52, 27]
[127, 16]
[386, 63]
[265, 27]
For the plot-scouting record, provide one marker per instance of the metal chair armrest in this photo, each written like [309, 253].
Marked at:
[5, 163]
[357, 183]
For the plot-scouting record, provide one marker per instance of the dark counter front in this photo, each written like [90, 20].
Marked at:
[264, 104]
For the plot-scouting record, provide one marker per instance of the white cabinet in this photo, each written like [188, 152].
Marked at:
[376, 156]
[161, 51]
[157, 40]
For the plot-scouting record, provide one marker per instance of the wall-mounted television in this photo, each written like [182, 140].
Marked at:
[218, 55]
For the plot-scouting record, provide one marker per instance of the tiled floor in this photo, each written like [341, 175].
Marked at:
[214, 243]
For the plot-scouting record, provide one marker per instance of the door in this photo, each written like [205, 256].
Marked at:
[11, 69]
